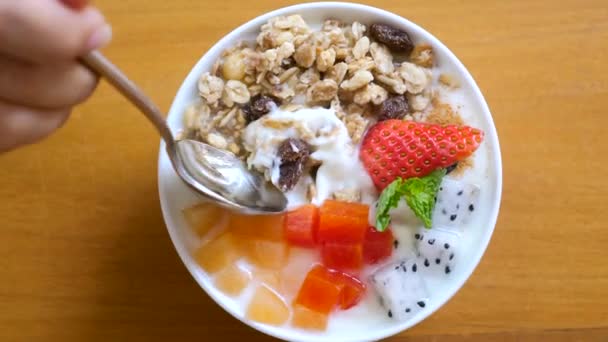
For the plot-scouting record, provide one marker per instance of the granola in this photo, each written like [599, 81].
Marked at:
[346, 66]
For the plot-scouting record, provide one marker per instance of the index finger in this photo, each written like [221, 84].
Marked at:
[47, 30]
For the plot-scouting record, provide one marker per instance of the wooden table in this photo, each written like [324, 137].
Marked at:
[84, 254]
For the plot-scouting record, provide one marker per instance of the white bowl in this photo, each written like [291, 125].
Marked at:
[175, 196]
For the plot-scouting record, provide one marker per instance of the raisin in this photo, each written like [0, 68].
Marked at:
[396, 40]
[294, 154]
[395, 107]
[259, 106]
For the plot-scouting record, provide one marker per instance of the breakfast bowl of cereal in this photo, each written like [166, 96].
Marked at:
[385, 149]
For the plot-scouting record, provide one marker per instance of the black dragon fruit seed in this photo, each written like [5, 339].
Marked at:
[438, 261]
[427, 263]
[414, 268]
[421, 304]
[446, 245]
[471, 207]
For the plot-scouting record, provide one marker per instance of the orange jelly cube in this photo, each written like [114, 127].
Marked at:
[232, 280]
[266, 254]
[217, 254]
[308, 319]
[342, 222]
[270, 278]
[267, 307]
[267, 227]
[204, 216]
[318, 292]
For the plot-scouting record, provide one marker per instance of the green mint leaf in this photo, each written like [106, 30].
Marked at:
[419, 195]
[389, 198]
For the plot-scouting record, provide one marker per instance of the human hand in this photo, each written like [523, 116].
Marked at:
[40, 78]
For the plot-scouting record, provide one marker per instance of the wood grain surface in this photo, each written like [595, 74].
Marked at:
[84, 254]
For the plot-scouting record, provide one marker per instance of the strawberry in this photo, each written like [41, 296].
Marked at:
[396, 148]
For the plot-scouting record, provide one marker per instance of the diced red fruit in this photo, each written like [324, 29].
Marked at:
[352, 292]
[300, 226]
[342, 222]
[396, 148]
[324, 289]
[318, 292]
[377, 245]
[342, 256]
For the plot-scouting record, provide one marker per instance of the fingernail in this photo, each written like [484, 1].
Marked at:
[100, 37]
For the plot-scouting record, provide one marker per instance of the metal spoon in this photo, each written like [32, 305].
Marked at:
[216, 174]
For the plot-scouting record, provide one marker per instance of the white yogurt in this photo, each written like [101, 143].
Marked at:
[331, 145]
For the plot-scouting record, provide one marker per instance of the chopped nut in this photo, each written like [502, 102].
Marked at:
[305, 55]
[356, 126]
[326, 59]
[235, 92]
[422, 55]
[278, 30]
[418, 102]
[377, 93]
[383, 58]
[361, 48]
[348, 195]
[415, 77]
[310, 76]
[210, 88]
[366, 63]
[357, 30]
[359, 80]
[342, 53]
[362, 96]
[191, 118]
[217, 141]
[288, 74]
[322, 91]
[233, 67]
[394, 83]
[370, 93]
[228, 117]
[449, 81]
[337, 72]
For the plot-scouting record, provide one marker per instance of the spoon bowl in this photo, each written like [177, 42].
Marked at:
[218, 175]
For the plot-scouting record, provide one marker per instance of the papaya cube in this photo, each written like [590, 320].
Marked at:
[318, 292]
[266, 254]
[217, 254]
[203, 217]
[300, 226]
[342, 222]
[267, 307]
[267, 227]
[305, 318]
[232, 280]
[342, 256]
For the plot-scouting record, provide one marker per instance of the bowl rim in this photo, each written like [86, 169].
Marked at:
[492, 136]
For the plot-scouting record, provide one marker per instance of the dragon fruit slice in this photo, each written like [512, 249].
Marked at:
[437, 249]
[456, 202]
[401, 289]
